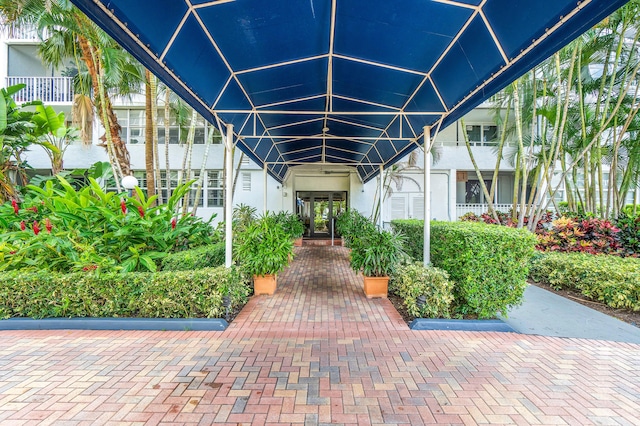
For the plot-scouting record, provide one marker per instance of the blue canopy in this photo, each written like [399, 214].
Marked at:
[350, 82]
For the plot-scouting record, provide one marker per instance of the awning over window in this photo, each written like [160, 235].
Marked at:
[348, 82]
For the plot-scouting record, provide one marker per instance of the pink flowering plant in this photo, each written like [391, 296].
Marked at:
[59, 228]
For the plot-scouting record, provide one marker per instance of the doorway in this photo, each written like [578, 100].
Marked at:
[318, 210]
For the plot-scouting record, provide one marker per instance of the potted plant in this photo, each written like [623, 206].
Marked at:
[292, 226]
[351, 224]
[264, 251]
[376, 254]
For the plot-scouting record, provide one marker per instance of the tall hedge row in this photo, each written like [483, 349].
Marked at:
[175, 294]
[488, 264]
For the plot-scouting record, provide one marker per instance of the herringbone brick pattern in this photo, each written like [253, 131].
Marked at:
[317, 352]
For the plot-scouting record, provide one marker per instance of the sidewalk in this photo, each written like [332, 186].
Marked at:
[547, 314]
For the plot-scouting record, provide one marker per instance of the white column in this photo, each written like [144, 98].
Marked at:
[380, 202]
[228, 201]
[265, 175]
[427, 196]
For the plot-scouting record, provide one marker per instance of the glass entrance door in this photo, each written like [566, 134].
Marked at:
[318, 210]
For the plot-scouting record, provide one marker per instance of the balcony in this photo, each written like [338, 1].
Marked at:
[478, 209]
[24, 33]
[50, 90]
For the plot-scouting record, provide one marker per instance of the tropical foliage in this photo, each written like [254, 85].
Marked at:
[90, 229]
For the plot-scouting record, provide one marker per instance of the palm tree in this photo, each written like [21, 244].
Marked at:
[108, 67]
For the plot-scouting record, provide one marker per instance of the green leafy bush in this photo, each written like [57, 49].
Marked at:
[413, 230]
[488, 264]
[377, 253]
[291, 223]
[175, 294]
[63, 229]
[351, 223]
[629, 235]
[208, 256]
[612, 280]
[414, 280]
[265, 247]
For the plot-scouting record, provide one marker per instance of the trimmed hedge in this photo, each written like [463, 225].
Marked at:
[488, 264]
[208, 256]
[612, 280]
[414, 280]
[176, 294]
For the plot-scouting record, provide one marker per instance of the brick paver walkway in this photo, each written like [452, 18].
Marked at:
[316, 352]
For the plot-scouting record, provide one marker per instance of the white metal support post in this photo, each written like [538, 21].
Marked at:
[265, 175]
[380, 204]
[228, 199]
[427, 196]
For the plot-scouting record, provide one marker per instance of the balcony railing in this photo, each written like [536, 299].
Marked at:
[50, 90]
[23, 33]
[478, 209]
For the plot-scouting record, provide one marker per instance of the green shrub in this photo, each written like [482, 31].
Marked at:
[629, 235]
[608, 279]
[414, 280]
[413, 230]
[208, 256]
[265, 247]
[488, 264]
[175, 294]
[350, 224]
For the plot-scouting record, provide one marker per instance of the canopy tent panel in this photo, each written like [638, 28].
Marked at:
[412, 39]
[334, 70]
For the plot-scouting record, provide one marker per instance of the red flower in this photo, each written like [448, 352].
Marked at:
[14, 203]
[23, 226]
[173, 223]
[36, 228]
[33, 209]
[141, 211]
[47, 224]
[123, 206]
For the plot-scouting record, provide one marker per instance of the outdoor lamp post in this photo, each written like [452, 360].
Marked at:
[128, 183]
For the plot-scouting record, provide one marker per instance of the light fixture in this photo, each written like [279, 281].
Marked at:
[129, 182]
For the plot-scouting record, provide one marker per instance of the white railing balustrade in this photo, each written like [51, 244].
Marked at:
[478, 209]
[50, 90]
[23, 33]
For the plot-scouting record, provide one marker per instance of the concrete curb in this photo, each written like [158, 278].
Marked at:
[168, 324]
[460, 325]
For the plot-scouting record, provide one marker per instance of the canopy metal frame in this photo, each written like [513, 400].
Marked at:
[351, 82]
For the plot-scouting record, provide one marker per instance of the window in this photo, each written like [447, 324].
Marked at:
[482, 134]
[246, 181]
[173, 175]
[245, 160]
[133, 125]
[215, 191]
[194, 190]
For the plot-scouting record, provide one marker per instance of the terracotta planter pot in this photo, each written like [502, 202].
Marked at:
[264, 284]
[297, 242]
[376, 287]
